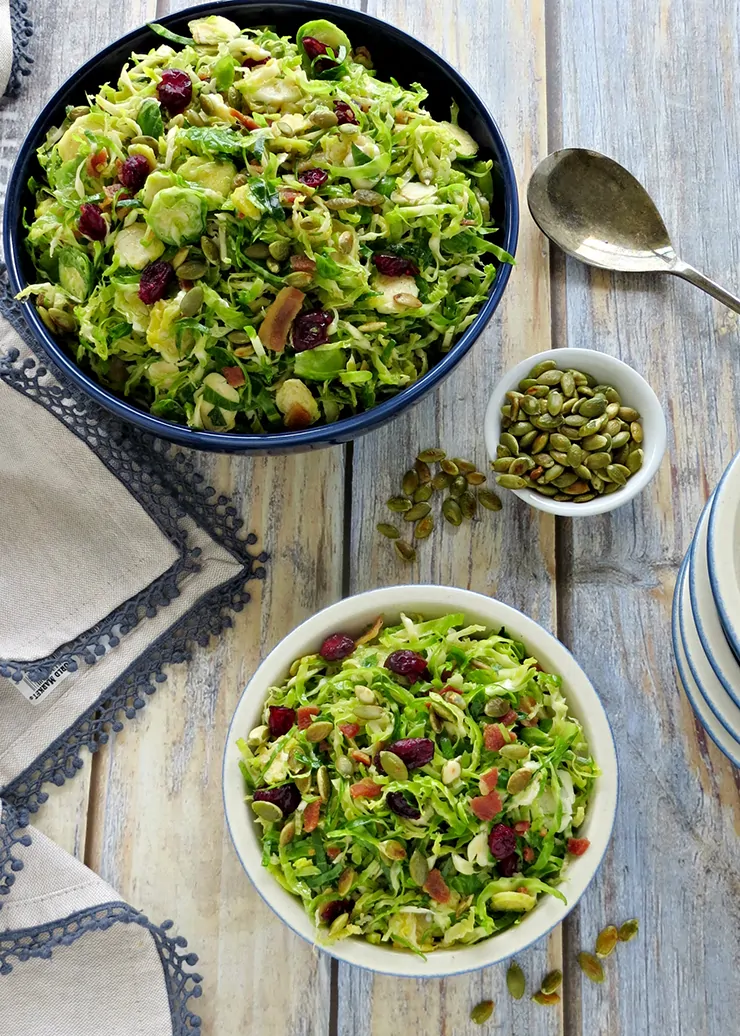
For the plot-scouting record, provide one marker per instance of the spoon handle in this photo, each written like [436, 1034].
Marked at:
[688, 273]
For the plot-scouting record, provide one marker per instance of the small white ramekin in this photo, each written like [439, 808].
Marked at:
[353, 615]
[635, 392]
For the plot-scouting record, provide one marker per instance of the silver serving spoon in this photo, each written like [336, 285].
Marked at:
[596, 211]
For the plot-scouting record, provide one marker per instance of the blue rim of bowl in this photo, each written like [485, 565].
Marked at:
[732, 635]
[685, 616]
[322, 435]
[676, 637]
[476, 967]
[696, 612]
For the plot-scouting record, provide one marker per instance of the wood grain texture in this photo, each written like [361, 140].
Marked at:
[509, 555]
[654, 85]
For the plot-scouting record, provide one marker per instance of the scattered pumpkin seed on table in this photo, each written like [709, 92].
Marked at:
[579, 437]
[515, 981]
[482, 1012]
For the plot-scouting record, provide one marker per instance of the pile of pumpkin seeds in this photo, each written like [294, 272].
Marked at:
[566, 436]
[462, 484]
[547, 994]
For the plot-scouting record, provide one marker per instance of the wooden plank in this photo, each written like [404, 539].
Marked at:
[158, 828]
[494, 46]
[645, 83]
[57, 52]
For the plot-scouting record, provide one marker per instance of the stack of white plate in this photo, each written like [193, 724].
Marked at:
[706, 616]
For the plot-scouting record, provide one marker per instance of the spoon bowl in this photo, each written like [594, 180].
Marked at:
[599, 213]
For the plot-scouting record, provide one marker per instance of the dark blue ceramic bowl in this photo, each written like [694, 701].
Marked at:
[395, 54]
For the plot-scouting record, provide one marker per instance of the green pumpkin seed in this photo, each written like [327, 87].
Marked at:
[618, 473]
[571, 433]
[520, 466]
[323, 783]
[469, 505]
[517, 751]
[398, 504]
[279, 249]
[628, 930]
[422, 494]
[394, 766]
[466, 466]
[595, 461]
[610, 488]
[562, 497]
[541, 367]
[613, 427]
[518, 429]
[629, 414]
[538, 392]
[575, 455]
[583, 472]
[553, 980]
[423, 471]
[450, 468]
[418, 869]
[410, 482]
[191, 301]
[612, 395]
[302, 782]
[526, 440]
[558, 442]
[575, 420]
[404, 550]
[594, 407]
[416, 512]
[568, 384]
[364, 712]
[267, 811]
[612, 410]
[555, 402]
[636, 431]
[569, 406]
[442, 481]
[539, 443]
[576, 489]
[501, 464]
[318, 731]
[550, 377]
[63, 320]
[547, 423]
[544, 490]
[482, 1012]
[475, 478]
[512, 482]
[508, 440]
[451, 509]
[424, 528]
[606, 941]
[287, 834]
[527, 383]
[634, 461]
[620, 439]
[191, 271]
[552, 473]
[597, 483]
[385, 529]
[591, 966]
[431, 456]
[543, 460]
[346, 880]
[338, 925]
[583, 498]
[546, 999]
[578, 377]
[488, 499]
[567, 479]
[529, 405]
[496, 707]
[596, 424]
[458, 487]
[559, 458]
[513, 408]
[515, 981]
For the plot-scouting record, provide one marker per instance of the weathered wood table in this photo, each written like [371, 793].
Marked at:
[655, 85]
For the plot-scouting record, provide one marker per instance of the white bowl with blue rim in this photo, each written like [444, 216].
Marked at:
[354, 615]
[706, 617]
[722, 739]
[723, 552]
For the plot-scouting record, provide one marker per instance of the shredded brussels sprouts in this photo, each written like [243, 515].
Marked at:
[246, 209]
[425, 810]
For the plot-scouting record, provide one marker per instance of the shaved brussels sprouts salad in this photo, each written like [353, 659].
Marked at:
[249, 233]
[419, 786]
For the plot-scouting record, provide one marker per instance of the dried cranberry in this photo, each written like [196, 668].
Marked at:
[310, 330]
[175, 90]
[395, 265]
[134, 172]
[313, 177]
[398, 802]
[155, 279]
[314, 48]
[345, 113]
[508, 866]
[91, 222]
[336, 647]
[281, 720]
[408, 663]
[415, 751]
[286, 797]
[331, 911]
[502, 841]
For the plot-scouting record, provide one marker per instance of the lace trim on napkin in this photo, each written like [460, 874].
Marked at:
[181, 985]
[13, 824]
[22, 30]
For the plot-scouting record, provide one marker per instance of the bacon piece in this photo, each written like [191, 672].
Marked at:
[366, 789]
[311, 816]
[577, 846]
[279, 317]
[306, 713]
[302, 263]
[529, 854]
[234, 376]
[486, 807]
[436, 887]
[522, 826]
[488, 781]
[509, 719]
[350, 729]
[494, 738]
[361, 757]
[332, 851]
[97, 161]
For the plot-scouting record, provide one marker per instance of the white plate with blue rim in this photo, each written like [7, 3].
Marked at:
[714, 694]
[724, 741]
[706, 617]
[723, 552]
